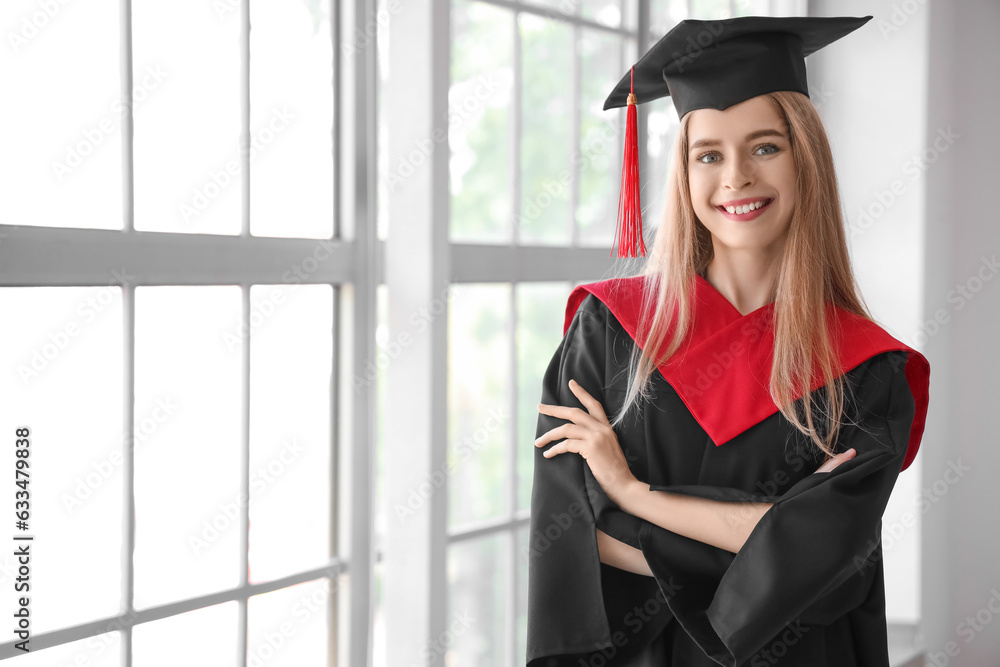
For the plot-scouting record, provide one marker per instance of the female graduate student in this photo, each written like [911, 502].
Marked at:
[719, 435]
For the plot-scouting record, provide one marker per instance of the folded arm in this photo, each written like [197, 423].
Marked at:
[621, 555]
[722, 524]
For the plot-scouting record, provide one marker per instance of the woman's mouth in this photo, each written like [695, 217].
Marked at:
[748, 210]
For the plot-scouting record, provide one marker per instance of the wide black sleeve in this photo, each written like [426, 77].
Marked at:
[809, 558]
[579, 607]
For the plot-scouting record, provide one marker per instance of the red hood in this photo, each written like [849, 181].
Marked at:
[729, 355]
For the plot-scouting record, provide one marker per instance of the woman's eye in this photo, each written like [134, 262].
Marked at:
[768, 149]
[708, 158]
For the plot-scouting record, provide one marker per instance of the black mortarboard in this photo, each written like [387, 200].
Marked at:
[715, 64]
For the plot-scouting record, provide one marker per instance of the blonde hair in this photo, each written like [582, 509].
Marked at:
[814, 270]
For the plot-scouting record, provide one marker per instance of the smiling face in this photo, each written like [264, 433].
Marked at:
[741, 174]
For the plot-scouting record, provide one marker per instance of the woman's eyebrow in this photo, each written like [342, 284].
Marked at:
[757, 134]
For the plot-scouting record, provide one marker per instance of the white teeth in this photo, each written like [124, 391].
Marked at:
[744, 208]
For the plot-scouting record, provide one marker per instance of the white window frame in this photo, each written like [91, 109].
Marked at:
[57, 257]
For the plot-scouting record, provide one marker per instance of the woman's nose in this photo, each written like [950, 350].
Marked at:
[738, 174]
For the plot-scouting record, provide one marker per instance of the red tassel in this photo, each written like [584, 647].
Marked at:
[629, 228]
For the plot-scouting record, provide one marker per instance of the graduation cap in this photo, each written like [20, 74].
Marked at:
[714, 64]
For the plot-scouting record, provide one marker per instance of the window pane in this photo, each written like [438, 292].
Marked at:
[565, 6]
[662, 125]
[602, 138]
[546, 144]
[630, 14]
[288, 627]
[291, 361]
[187, 470]
[606, 12]
[201, 638]
[100, 651]
[60, 126]
[540, 314]
[61, 349]
[664, 15]
[477, 602]
[710, 9]
[478, 377]
[187, 156]
[751, 8]
[291, 119]
[478, 123]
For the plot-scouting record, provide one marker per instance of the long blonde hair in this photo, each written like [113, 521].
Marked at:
[813, 270]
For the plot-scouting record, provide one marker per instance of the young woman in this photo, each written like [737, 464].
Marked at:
[730, 511]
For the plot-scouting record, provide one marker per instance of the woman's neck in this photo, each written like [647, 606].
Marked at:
[747, 287]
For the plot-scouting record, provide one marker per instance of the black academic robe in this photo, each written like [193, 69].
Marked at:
[806, 589]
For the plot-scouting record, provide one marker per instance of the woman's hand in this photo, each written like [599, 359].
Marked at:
[837, 460]
[590, 436]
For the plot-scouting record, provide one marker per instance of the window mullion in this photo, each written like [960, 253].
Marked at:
[244, 496]
[574, 133]
[128, 468]
[351, 607]
[417, 275]
[511, 592]
[244, 525]
[128, 128]
[128, 343]
[515, 125]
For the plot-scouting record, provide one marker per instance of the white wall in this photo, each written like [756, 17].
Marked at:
[923, 78]
[871, 89]
[962, 542]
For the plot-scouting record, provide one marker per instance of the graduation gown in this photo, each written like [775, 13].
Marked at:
[807, 586]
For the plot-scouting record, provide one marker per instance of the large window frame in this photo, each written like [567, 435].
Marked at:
[59, 257]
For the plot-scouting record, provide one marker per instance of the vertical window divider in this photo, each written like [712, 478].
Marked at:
[574, 133]
[515, 124]
[417, 273]
[128, 470]
[128, 343]
[128, 166]
[244, 497]
[337, 575]
[244, 46]
[510, 627]
[338, 163]
[244, 555]
[337, 366]
[351, 607]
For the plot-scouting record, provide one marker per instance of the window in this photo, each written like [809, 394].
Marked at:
[179, 299]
